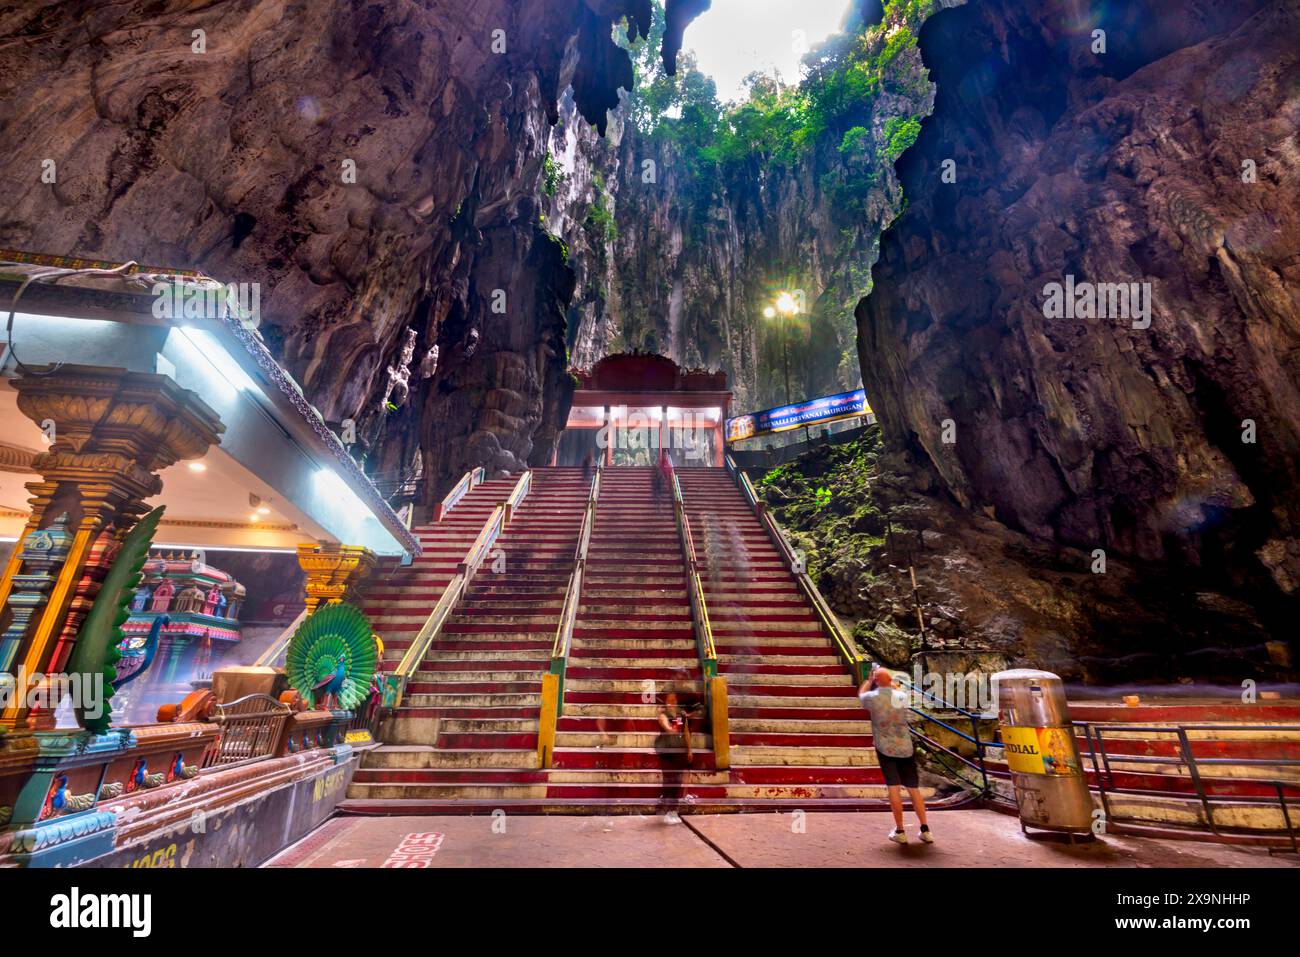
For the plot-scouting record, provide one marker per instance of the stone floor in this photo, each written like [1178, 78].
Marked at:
[964, 838]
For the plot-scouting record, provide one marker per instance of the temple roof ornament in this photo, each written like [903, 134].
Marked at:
[648, 372]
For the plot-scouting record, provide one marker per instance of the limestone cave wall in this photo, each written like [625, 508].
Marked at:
[1026, 447]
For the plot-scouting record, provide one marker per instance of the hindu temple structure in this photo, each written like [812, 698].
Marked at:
[140, 405]
[199, 606]
[630, 405]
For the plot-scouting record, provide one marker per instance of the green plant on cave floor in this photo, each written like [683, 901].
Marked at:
[95, 654]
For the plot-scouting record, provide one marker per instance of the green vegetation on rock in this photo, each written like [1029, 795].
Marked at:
[779, 122]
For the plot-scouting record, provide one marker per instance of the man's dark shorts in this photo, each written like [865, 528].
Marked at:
[899, 771]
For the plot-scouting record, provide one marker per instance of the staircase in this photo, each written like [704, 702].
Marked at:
[465, 737]
[798, 732]
[467, 729]
[633, 642]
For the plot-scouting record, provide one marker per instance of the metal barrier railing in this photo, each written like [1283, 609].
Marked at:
[251, 727]
[460, 581]
[553, 681]
[715, 685]
[981, 744]
[1104, 774]
[830, 624]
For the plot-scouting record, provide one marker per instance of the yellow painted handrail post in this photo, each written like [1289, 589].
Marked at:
[721, 723]
[547, 720]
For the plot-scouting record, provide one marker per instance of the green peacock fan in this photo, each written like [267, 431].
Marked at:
[331, 658]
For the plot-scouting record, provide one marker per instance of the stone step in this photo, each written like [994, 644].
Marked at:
[801, 756]
[423, 756]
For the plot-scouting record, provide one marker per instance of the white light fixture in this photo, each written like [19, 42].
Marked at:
[203, 346]
[333, 485]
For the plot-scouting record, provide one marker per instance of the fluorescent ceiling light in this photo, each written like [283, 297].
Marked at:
[334, 486]
[207, 346]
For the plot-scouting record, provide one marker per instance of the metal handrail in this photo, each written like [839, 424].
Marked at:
[715, 685]
[280, 646]
[487, 537]
[521, 489]
[552, 705]
[455, 589]
[1187, 757]
[428, 633]
[974, 737]
[458, 491]
[699, 608]
[564, 631]
[830, 624]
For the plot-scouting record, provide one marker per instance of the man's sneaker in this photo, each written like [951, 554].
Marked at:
[926, 836]
[898, 836]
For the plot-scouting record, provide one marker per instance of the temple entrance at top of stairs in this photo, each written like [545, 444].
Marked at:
[629, 406]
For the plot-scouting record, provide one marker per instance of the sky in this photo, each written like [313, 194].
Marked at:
[735, 37]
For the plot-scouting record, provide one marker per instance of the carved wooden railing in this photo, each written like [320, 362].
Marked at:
[830, 624]
[251, 727]
[553, 681]
[451, 595]
[715, 685]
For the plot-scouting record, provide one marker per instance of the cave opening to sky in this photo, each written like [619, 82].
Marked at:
[734, 38]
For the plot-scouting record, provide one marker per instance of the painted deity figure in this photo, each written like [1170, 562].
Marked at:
[141, 599]
[190, 600]
[162, 595]
[210, 602]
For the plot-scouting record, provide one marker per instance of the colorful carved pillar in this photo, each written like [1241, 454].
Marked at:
[334, 572]
[112, 431]
[41, 553]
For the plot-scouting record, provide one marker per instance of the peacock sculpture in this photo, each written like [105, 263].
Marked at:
[331, 658]
[96, 651]
[138, 656]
